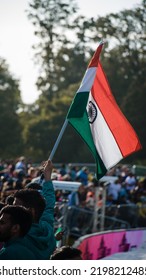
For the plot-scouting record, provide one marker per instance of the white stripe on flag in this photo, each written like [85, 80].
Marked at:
[103, 139]
[88, 80]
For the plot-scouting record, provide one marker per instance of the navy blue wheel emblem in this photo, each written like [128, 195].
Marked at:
[92, 112]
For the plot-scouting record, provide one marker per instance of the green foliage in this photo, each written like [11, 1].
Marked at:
[51, 20]
[10, 134]
[66, 42]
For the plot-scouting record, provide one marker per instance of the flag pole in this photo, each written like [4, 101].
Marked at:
[58, 139]
[63, 129]
[55, 147]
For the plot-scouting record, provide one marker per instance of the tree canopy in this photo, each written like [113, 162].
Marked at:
[66, 42]
[10, 101]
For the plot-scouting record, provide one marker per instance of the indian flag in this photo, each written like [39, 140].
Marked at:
[97, 118]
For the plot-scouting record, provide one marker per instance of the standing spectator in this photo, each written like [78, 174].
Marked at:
[72, 171]
[20, 165]
[82, 175]
[130, 182]
[114, 189]
[15, 222]
[40, 239]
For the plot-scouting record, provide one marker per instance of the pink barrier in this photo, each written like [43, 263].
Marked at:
[99, 245]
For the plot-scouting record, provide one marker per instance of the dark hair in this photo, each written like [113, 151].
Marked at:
[32, 199]
[66, 253]
[33, 186]
[9, 200]
[19, 215]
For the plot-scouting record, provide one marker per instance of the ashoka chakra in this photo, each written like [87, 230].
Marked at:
[92, 112]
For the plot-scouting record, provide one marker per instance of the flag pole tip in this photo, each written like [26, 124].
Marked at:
[102, 42]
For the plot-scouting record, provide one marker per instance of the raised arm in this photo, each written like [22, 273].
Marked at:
[48, 193]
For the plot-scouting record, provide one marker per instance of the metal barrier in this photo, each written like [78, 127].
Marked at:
[78, 221]
[126, 212]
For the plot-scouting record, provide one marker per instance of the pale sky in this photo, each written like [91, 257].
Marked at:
[16, 37]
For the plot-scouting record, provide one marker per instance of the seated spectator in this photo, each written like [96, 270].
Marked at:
[66, 253]
[40, 239]
[15, 222]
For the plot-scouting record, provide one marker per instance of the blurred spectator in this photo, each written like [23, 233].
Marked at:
[82, 175]
[31, 172]
[7, 189]
[130, 182]
[20, 165]
[110, 200]
[123, 193]
[72, 171]
[62, 170]
[90, 200]
[55, 174]
[114, 189]
[78, 198]
[67, 253]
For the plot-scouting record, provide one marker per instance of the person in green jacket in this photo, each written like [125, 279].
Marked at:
[40, 239]
[15, 222]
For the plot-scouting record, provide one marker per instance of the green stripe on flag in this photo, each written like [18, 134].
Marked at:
[82, 126]
[78, 105]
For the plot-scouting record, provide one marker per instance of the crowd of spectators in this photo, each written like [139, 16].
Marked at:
[125, 197]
